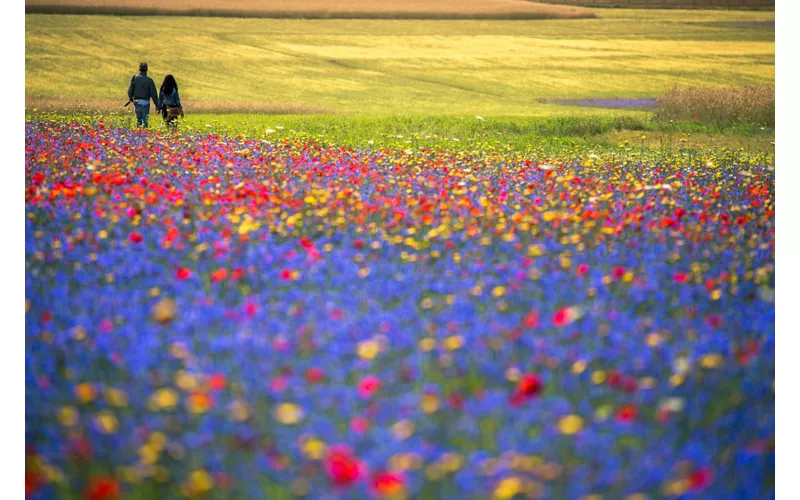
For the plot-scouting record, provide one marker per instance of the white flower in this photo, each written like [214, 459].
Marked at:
[269, 130]
[479, 118]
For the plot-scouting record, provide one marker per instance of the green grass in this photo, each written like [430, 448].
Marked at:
[551, 135]
[409, 68]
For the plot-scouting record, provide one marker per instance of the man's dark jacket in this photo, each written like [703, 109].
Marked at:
[143, 87]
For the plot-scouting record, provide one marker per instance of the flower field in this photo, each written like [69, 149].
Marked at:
[217, 317]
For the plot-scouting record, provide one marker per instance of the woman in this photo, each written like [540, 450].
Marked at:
[169, 102]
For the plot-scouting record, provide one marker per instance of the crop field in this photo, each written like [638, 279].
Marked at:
[398, 67]
[216, 317]
[310, 9]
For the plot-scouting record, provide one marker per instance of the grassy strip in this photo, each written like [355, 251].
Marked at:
[723, 106]
[103, 107]
[466, 133]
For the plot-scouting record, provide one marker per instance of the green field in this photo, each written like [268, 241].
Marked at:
[390, 68]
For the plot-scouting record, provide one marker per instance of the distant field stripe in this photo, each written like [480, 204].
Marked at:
[135, 11]
[318, 9]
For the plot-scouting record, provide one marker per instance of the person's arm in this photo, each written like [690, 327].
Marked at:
[160, 99]
[130, 89]
[154, 93]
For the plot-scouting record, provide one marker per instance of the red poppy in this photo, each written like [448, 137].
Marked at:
[614, 378]
[618, 272]
[582, 269]
[386, 484]
[531, 319]
[216, 382]
[529, 386]
[135, 237]
[714, 320]
[368, 386]
[80, 449]
[359, 425]
[103, 488]
[747, 351]
[183, 273]
[286, 274]
[250, 309]
[34, 481]
[315, 375]
[563, 317]
[342, 468]
[627, 413]
[701, 478]
[456, 401]
[680, 277]
[629, 384]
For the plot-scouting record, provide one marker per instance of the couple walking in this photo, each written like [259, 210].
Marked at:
[142, 89]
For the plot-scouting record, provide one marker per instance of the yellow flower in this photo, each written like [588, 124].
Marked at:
[164, 310]
[427, 344]
[107, 422]
[368, 349]
[79, 333]
[239, 411]
[164, 399]
[68, 416]
[314, 449]
[711, 361]
[200, 481]
[508, 487]
[570, 424]
[403, 429]
[116, 397]
[429, 403]
[185, 381]
[453, 342]
[288, 413]
[148, 454]
[158, 440]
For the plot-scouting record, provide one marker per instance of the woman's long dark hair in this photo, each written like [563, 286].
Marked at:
[169, 85]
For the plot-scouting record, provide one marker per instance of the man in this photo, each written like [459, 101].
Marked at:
[140, 91]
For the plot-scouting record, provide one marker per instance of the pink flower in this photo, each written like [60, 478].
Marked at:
[368, 386]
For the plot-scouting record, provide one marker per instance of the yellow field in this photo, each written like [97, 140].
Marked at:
[376, 67]
[495, 9]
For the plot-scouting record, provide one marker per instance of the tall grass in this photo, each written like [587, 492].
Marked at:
[753, 105]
